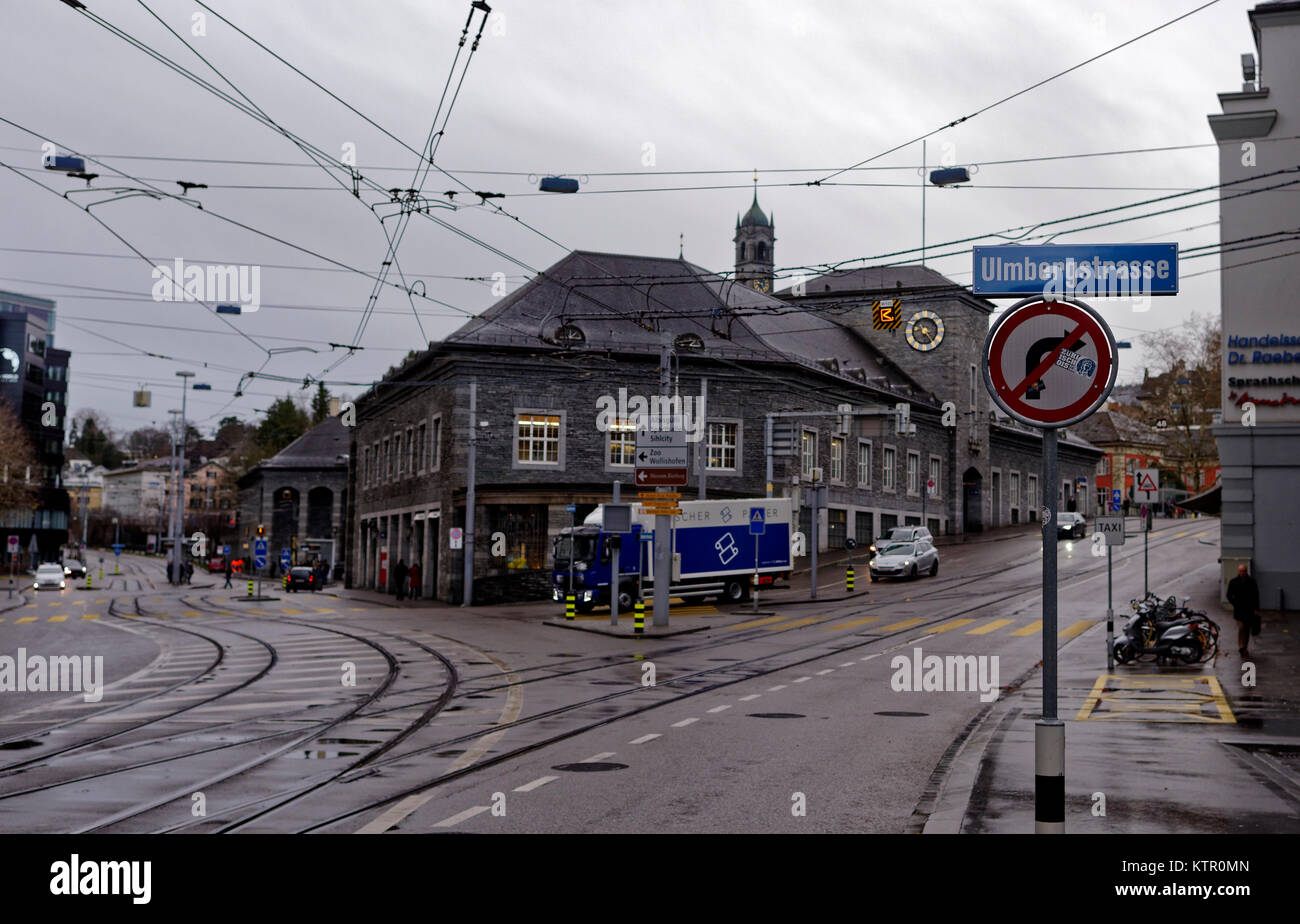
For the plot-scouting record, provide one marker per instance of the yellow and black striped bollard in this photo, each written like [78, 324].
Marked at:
[638, 618]
[569, 606]
[250, 587]
[848, 579]
[87, 579]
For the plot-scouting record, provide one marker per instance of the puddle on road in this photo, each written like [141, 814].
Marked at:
[592, 767]
[777, 715]
[19, 745]
[904, 714]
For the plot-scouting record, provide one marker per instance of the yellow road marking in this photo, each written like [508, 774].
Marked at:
[292, 612]
[1197, 698]
[903, 624]
[990, 627]
[80, 602]
[1032, 629]
[55, 603]
[26, 619]
[1182, 534]
[90, 616]
[193, 614]
[58, 618]
[952, 624]
[794, 625]
[755, 623]
[1076, 629]
[853, 622]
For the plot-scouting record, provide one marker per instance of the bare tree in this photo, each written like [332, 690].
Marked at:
[19, 474]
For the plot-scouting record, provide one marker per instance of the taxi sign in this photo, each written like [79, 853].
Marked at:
[1050, 364]
[1110, 527]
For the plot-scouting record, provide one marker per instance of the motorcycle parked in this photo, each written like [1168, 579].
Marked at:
[1168, 633]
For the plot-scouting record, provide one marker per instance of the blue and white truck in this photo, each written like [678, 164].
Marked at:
[713, 553]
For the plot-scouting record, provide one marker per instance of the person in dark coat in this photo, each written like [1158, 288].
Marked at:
[230, 570]
[1243, 594]
[415, 575]
[399, 579]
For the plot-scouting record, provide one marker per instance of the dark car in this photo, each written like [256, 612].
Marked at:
[1071, 526]
[301, 578]
[73, 568]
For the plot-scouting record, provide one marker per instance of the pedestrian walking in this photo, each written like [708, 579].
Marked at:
[189, 572]
[413, 576]
[1243, 594]
[1127, 504]
[230, 570]
[399, 579]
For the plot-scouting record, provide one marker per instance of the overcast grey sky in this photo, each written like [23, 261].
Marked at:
[579, 89]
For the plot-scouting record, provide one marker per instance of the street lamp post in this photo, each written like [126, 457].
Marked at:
[178, 500]
[117, 540]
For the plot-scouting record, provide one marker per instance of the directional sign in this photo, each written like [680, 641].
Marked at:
[1116, 499]
[571, 508]
[1049, 364]
[757, 521]
[285, 558]
[259, 553]
[660, 457]
[1100, 270]
[1147, 484]
[1110, 527]
[118, 547]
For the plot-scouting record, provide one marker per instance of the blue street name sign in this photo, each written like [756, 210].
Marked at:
[647, 535]
[572, 508]
[259, 553]
[1076, 270]
[118, 547]
[757, 522]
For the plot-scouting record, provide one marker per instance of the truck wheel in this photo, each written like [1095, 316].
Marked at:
[734, 591]
[626, 600]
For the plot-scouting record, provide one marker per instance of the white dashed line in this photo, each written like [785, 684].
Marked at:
[829, 670]
[535, 784]
[745, 699]
[870, 656]
[595, 758]
[684, 722]
[801, 679]
[848, 663]
[462, 816]
[644, 738]
[775, 688]
[719, 708]
[921, 639]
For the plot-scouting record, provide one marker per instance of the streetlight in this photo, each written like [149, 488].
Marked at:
[117, 541]
[178, 465]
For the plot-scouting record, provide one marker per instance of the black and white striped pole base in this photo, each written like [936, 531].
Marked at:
[1049, 777]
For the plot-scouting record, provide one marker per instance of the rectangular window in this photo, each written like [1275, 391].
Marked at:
[1033, 494]
[1103, 465]
[422, 438]
[913, 464]
[936, 475]
[1015, 489]
[537, 439]
[889, 462]
[385, 460]
[864, 463]
[622, 442]
[862, 527]
[837, 459]
[808, 447]
[399, 454]
[837, 527]
[435, 445]
[365, 465]
[410, 451]
[722, 446]
[973, 377]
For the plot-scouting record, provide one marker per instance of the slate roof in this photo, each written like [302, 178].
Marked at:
[319, 447]
[1109, 427]
[877, 279]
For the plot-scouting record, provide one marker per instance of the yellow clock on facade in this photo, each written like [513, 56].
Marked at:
[924, 331]
[760, 285]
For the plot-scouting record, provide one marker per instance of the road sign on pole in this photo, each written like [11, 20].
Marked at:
[757, 521]
[1113, 529]
[284, 559]
[1110, 527]
[1049, 364]
[660, 458]
[1116, 500]
[1146, 484]
[259, 554]
[1100, 270]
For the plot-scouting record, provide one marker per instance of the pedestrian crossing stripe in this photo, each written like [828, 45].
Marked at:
[794, 625]
[853, 623]
[193, 614]
[26, 619]
[57, 618]
[1077, 628]
[990, 627]
[90, 616]
[755, 623]
[1033, 627]
[952, 624]
[903, 624]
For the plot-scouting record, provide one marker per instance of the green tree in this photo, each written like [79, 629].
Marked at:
[285, 421]
[97, 445]
[320, 404]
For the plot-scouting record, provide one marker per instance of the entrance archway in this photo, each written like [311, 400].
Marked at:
[972, 501]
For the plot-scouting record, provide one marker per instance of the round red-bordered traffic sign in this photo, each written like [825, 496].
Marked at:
[1050, 363]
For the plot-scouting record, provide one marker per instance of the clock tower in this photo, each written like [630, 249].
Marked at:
[755, 237]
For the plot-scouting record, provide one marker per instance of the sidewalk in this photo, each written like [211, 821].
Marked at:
[1172, 750]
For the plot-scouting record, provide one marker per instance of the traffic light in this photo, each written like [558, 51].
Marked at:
[261, 530]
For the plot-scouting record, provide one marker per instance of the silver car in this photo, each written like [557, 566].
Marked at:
[897, 559]
[50, 576]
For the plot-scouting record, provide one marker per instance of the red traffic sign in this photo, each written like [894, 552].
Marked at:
[1050, 364]
[661, 477]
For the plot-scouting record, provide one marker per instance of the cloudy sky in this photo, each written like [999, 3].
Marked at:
[682, 98]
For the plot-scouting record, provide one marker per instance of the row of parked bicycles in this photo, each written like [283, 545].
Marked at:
[1164, 631]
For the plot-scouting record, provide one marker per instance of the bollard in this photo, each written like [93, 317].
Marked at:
[250, 587]
[638, 619]
[848, 579]
[568, 606]
[87, 579]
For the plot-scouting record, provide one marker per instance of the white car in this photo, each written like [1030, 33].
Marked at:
[50, 576]
[903, 534]
[904, 559]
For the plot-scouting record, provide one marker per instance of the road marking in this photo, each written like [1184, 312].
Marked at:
[90, 616]
[990, 627]
[26, 619]
[536, 784]
[829, 670]
[462, 816]
[781, 686]
[1032, 629]
[952, 624]
[800, 679]
[852, 623]
[720, 708]
[745, 699]
[919, 638]
[796, 624]
[904, 624]
[56, 604]
[597, 758]
[753, 624]
[684, 722]
[1078, 628]
[1182, 534]
[848, 663]
[58, 618]
[291, 612]
[193, 614]
[644, 738]
[1157, 699]
[870, 656]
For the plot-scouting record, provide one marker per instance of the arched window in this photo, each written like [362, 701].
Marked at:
[762, 251]
[570, 334]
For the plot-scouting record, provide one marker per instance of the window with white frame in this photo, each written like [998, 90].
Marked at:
[889, 463]
[936, 475]
[537, 439]
[1015, 489]
[399, 453]
[722, 448]
[808, 446]
[837, 458]
[1033, 492]
[1103, 465]
[622, 442]
[864, 463]
[913, 467]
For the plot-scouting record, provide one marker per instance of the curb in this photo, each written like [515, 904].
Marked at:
[607, 629]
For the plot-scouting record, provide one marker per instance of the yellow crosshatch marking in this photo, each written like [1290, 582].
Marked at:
[1197, 698]
[57, 618]
[755, 623]
[852, 623]
[1030, 629]
[989, 627]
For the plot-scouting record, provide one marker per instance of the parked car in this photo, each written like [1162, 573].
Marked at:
[301, 578]
[903, 534]
[50, 575]
[1071, 525]
[904, 559]
[73, 568]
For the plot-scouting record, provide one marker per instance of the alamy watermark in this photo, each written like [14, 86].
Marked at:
[658, 413]
[233, 283]
[948, 674]
[53, 674]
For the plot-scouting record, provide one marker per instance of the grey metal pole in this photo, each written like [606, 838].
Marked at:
[1110, 616]
[815, 540]
[615, 569]
[180, 483]
[1146, 589]
[663, 524]
[467, 597]
[704, 438]
[1049, 731]
[767, 438]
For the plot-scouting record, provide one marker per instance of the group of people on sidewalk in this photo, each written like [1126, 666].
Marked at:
[407, 580]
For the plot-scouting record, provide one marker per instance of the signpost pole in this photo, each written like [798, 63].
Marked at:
[755, 572]
[1110, 615]
[1145, 537]
[615, 568]
[663, 524]
[1049, 731]
[814, 539]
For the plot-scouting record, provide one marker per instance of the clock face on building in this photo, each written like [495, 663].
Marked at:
[760, 285]
[924, 331]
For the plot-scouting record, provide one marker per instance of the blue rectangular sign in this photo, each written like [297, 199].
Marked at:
[757, 523]
[1076, 270]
